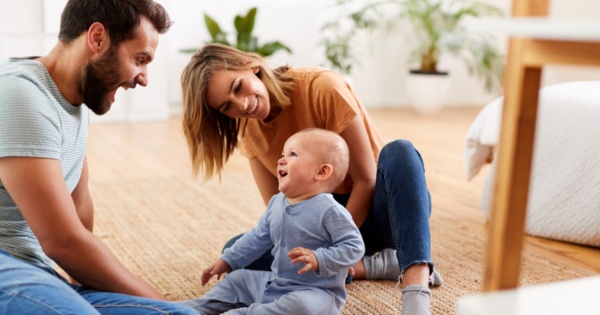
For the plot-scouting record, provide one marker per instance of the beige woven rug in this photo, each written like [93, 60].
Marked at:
[167, 230]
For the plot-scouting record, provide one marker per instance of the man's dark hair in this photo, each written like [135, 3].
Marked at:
[119, 17]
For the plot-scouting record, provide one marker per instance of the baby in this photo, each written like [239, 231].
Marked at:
[313, 237]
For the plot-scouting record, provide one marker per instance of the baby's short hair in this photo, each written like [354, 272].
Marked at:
[335, 152]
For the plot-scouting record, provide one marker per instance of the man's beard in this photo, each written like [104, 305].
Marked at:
[100, 78]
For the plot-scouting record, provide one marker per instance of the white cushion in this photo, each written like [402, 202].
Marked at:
[564, 194]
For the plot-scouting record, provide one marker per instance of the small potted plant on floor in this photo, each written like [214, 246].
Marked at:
[438, 29]
[245, 40]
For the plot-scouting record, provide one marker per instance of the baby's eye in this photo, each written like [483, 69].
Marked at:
[293, 154]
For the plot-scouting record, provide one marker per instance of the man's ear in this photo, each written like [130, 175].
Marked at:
[325, 171]
[97, 38]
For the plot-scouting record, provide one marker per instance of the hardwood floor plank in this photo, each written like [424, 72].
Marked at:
[122, 151]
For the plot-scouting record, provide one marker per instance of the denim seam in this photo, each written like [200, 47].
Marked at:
[159, 310]
[29, 298]
[393, 223]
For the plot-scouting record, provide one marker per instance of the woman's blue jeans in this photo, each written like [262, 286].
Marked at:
[399, 216]
[27, 289]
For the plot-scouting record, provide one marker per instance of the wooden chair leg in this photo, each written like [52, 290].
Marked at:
[511, 187]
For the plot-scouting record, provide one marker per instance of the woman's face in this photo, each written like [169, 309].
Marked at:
[238, 94]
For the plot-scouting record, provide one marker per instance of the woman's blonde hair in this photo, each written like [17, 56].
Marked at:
[212, 136]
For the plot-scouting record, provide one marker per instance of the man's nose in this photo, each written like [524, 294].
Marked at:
[142, 78]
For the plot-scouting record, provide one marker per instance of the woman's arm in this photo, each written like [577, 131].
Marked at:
[362, 170]
[266, 182]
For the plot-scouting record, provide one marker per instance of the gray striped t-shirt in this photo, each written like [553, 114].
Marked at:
[36, 121]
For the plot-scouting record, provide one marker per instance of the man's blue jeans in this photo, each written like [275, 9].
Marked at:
[399, 216]
[27, 289]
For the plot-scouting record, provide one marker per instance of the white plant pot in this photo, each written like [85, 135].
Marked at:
[427, 93]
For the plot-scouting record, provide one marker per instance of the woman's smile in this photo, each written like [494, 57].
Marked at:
[238, 94]
[254, 107]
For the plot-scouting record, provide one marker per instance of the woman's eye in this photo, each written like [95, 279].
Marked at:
[238, 87]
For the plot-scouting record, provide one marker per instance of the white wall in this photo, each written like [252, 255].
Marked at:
[29, 27]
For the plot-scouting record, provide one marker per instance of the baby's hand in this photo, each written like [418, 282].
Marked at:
[218, 268]
[305, 255]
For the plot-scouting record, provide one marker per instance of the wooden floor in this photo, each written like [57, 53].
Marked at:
[123, 151]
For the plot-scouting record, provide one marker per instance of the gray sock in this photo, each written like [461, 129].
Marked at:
[435, 279]
[415, 300]
[384, 266]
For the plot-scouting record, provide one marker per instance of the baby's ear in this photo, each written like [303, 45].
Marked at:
[325, 171]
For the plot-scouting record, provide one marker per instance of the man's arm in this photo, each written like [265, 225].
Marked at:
[83, 200]
[39, 190]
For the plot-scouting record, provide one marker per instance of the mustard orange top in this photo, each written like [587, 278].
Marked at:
[321, 98]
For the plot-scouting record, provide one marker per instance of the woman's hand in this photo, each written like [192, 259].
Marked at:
[305, 255]
[218, 268]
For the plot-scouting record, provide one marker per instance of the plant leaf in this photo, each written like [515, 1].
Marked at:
[244, 42]
[271, 47]
[245, 24]
[188, 50]
[212, 26]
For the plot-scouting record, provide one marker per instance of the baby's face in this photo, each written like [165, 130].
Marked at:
[298, 166]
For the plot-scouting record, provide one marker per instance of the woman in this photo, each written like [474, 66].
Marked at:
[232, 97]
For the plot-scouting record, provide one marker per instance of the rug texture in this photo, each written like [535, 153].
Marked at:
[167, 230]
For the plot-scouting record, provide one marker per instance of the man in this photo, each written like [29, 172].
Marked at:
[46, 213]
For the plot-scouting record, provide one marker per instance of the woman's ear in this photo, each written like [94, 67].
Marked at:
[256, 70]
[325, 171]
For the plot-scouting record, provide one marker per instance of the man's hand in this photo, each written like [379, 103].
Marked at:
[306, 256]
[218, 268]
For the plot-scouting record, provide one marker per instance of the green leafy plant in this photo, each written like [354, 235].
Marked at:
[245, 40]
[438, 29]
[337, 39]
[338, 47]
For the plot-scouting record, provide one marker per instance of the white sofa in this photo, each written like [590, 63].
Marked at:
[564, 195]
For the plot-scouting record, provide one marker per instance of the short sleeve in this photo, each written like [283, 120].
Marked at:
[335, 102]
[29, 125]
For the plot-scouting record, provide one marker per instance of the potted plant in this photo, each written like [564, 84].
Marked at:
[337, 37]
[438, 29]
[337, 44]
[245, 40]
